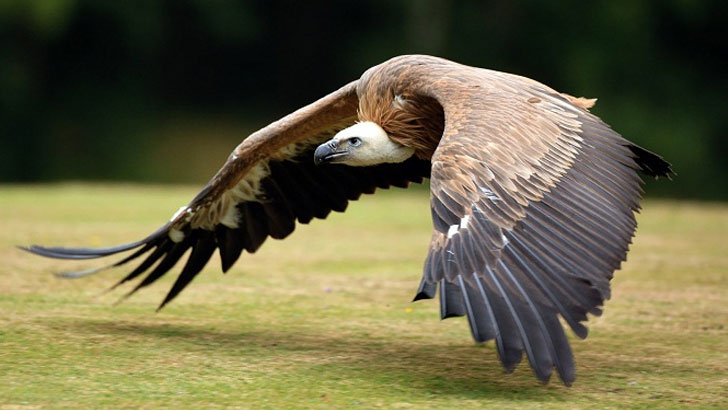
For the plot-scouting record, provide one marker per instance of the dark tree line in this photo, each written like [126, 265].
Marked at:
[104, 89]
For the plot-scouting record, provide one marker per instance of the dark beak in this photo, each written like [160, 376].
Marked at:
[327, 152]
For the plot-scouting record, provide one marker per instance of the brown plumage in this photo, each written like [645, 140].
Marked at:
[532, 197]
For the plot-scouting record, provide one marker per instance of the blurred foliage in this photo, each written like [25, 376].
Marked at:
[163, 90]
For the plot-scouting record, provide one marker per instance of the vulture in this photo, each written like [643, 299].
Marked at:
[533, 198]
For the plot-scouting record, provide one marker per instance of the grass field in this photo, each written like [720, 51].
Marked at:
[324, 319]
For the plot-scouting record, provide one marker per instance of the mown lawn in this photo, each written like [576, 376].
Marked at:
[324, 319]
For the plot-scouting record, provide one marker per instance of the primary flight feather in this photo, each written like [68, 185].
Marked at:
[532, 197]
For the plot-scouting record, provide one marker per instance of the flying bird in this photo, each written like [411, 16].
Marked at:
[532, 197]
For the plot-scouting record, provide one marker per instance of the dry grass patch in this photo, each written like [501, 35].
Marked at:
[323, 318]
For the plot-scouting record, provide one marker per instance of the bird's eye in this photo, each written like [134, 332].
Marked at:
[355, 141]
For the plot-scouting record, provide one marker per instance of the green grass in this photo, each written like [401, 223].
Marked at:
[323, 318]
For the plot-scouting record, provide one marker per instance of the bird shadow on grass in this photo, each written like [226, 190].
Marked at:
[463, 370]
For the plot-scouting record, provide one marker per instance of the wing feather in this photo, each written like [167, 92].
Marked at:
[451, 300]
[533, 202]
[201, 253]
[159, 251]
[231, 243]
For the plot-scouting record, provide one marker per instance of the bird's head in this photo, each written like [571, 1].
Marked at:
[362, 144]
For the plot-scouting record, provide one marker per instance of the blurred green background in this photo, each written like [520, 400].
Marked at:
[163, 90]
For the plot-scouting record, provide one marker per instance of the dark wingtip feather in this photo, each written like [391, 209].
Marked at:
[426, 290]
[166, 264]
[421, 296]
[543, 378]
[160, 250]
[511, 360]
[567, 381]
[67, 253]
[91, 271]
[231, 243]
[451, 300]
[201, 253]
[91, 253]
[651, 163]
[226, 265]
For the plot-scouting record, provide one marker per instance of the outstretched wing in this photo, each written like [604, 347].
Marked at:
[267, 184]
[533, 202]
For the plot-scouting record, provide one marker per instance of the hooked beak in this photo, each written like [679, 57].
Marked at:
[328, 152]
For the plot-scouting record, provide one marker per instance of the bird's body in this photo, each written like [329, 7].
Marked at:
[532, 196]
